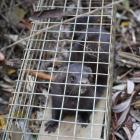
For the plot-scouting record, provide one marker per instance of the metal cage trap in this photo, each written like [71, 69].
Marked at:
[55, 53]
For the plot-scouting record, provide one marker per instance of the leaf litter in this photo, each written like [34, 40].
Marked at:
[126, 69]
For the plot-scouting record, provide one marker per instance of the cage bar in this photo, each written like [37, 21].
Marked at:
[31, 106]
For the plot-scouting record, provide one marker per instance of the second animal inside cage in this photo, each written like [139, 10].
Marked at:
[81, 79]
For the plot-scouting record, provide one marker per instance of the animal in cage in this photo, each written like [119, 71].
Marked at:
[72, 90]
[95, 54]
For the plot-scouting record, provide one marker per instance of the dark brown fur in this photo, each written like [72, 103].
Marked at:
[93, 56]
[72, 90]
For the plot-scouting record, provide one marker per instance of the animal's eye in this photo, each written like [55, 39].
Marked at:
[73, 77]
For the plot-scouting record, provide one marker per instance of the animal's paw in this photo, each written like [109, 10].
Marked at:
[51, 126]
[84, 119]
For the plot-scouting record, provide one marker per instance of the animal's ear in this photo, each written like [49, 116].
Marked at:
[90, 77]
[62, 75]
[64, 69]
[89, 70]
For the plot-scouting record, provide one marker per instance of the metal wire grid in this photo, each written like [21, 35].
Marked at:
[34, 55]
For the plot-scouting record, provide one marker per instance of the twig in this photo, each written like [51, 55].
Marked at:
[41, 75]
[128, 44]
[125, 74]
[129, 56]
[132, 12]
[81, 15]
[136, 65]
[134, 103]
[125, 81]
[119, 20]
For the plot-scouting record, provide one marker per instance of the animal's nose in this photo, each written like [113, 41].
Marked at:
[84, 81]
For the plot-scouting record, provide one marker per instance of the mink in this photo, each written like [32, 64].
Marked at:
[96, 54]
[86, 90]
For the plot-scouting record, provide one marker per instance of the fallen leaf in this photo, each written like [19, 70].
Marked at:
[119, 135]
[126, 4]
[6, 86]
[11, 71]
[8, 89]
[120, 15]
[15, 38]
[137, 103]
[122, 106]
[127, 133]
[136, 135]
[119, 87]
[135, 125]
[3, 101]
[15, 13]
[27, 24]
[126, 23]
[1, 57]
[123, 115]
[135, 114]
[115, 97]
[135, 79]
[130, 86]
[2, 122]
[56, 63]
[8, 80]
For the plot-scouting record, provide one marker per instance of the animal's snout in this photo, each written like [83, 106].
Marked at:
[84, 81]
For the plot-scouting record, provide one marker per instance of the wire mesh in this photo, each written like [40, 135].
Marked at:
[31, 106]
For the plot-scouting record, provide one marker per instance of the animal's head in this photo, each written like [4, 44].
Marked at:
[74, 76]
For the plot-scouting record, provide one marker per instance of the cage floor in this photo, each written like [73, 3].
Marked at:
[66, 129]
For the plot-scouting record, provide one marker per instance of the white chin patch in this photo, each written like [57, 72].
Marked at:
[82, 91]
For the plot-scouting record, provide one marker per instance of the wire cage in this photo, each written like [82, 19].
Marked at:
[47, 53]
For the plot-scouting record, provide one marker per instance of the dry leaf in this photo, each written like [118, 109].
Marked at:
[130, 86]
[136, 135]
[3, 101]
[122, 106]
[115, 95]
[1, 57]
[135, 125]
[8, 80]
[56, 63]
[119, 87]
[123, 116]
[27, 24]
[126, 23]
[119, 135]
[6, 86]
[135, 114]
[11, 71]
[2, 122]
[127, 132]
